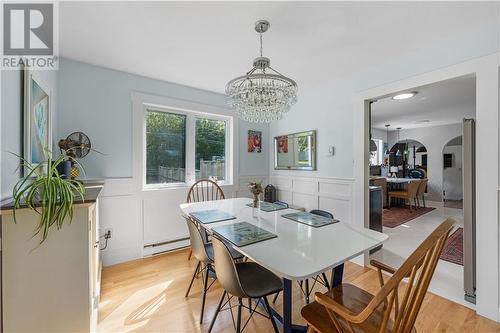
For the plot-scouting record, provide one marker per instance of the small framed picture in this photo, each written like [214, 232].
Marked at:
[254, 141]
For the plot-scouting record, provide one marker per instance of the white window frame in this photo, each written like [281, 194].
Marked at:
[143, 103]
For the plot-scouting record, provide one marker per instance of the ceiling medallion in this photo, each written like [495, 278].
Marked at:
[262, 94]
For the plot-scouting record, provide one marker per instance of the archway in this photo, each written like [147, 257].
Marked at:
[452, 173]
[410, 156]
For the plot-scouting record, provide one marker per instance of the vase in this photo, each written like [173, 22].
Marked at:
[256, 200]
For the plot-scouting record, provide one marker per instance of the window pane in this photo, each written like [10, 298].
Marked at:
[165, 147]
[210, 149]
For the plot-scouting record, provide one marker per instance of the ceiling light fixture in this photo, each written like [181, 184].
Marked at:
[262, 94]
[404, 95]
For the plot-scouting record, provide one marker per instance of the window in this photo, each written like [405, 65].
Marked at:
[165, 147]
[210, 149]
[182, 147]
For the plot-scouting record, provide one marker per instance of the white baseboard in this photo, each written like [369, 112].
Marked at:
[436, 204]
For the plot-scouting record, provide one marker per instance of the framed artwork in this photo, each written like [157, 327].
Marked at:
[254, 141]
[37, 118]
[282, 144]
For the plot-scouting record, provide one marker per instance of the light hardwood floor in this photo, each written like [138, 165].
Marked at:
[147, 295]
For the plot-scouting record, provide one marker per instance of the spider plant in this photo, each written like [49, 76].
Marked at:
[46, 192]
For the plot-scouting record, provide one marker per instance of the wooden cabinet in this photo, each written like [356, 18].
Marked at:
[53, 286]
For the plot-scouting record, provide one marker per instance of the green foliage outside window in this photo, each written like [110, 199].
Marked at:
[210, 140]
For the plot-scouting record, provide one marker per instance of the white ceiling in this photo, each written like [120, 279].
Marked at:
[206, 44]
[441, 103]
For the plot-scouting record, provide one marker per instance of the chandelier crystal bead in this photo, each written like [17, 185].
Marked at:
[260, 96]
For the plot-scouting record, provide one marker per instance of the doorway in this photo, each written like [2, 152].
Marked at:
[419, 133]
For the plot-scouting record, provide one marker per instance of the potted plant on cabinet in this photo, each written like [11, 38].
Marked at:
[47, 192]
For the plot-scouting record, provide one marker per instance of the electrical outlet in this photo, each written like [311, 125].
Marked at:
[108, 233]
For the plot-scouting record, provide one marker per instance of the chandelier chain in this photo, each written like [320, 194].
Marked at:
[260, 44]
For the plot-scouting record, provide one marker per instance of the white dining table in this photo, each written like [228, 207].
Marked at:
[299, 251]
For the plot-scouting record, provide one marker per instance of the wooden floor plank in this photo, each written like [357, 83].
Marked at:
[147, 295]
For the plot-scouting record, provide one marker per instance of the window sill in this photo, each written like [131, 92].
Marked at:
[176, 186]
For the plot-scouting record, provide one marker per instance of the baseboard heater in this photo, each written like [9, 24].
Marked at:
[167, 242]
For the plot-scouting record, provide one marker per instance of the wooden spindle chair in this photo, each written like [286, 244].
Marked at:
[347, 308]
[204, 190]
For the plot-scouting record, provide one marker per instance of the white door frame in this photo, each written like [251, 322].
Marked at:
[487, 171]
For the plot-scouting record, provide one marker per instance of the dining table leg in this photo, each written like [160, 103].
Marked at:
[337, 275]
[287, 306]
[286, 318]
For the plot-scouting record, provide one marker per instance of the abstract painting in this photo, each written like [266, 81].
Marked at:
[283, 144]
[37, 119]
[254, 141]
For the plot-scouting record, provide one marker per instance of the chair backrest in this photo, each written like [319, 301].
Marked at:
[419, 268]
[422, 186]
[282, 203]
[205, 190]
[413, 186]
[227, 275]
[379, 182]
[197, 244]
[323, 213]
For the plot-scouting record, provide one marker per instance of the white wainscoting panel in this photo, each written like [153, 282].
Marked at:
[331, 194]
[149, 221]
[119, 211]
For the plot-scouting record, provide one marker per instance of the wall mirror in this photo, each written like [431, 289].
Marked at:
[295, 151]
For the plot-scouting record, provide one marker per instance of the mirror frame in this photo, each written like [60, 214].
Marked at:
[311, 133]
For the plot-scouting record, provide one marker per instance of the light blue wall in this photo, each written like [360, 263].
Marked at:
[96, 101]
[12, 123]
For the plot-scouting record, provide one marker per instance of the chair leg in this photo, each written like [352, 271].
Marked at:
[238, 318]
[192, 279]
[271, 317]
[327, 284]
[249, 305]
[217, 312]
[276, 297]
[423, 200]
[307, 291]
[205, 284]
[190, 254]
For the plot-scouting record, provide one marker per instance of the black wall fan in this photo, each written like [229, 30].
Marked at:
[76, 145]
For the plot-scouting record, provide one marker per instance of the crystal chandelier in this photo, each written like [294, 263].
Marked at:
[262, 94]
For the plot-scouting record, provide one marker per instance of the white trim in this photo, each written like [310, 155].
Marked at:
[487, 233]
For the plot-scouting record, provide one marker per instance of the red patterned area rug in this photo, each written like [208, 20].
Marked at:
[453, 250]
[398, 215]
